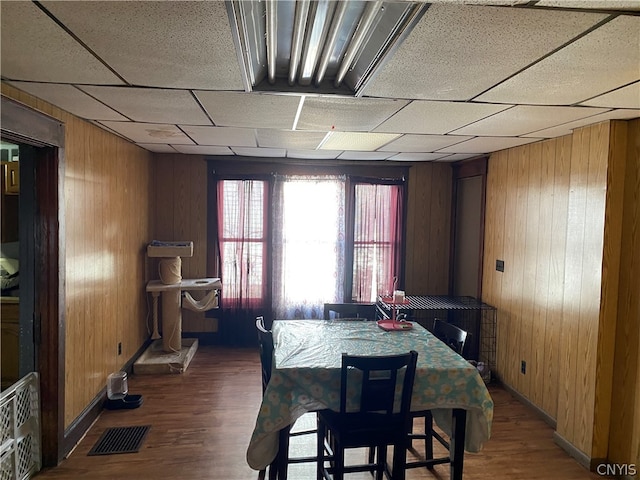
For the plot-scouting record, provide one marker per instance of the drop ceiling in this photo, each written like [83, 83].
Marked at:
[469, 78]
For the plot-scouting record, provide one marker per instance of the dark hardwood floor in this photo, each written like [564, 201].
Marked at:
[201, 422]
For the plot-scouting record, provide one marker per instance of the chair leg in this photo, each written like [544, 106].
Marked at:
[382, 461]
[320, 451]
[428, 440]
[400, 460]
[273, 470]
[283, 453]
[338, 468]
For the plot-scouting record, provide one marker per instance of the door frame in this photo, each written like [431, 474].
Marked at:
[476, 167]
[22, 124]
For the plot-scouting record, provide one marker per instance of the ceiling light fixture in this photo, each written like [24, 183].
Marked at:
[319, 46]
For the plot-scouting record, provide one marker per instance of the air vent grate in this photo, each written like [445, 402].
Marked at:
[120, 440]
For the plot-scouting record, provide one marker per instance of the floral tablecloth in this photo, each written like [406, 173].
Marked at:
[306, 377]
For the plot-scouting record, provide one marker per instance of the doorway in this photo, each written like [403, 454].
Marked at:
[40, 141]
[468, 228]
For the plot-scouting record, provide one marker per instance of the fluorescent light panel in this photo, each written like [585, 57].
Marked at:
[319, 46]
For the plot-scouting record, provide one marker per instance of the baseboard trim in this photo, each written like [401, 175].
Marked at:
[577, 454]
[548, 419]
[80, 426]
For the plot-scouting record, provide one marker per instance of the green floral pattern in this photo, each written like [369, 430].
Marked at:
[306, 377]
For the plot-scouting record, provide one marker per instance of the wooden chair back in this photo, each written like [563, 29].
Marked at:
[453, 336]
[265, 343]
[359, 311]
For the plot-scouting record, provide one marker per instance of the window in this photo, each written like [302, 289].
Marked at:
[377, 240]
[308, 244]
[290, 243]
[242, 231]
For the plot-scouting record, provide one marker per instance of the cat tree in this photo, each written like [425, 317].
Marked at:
[170, 353]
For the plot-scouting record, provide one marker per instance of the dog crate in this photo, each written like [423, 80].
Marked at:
[477, 318]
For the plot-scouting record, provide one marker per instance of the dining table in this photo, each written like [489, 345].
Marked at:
[305, 377]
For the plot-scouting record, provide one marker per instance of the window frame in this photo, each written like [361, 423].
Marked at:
[350, 205]
[230, 168]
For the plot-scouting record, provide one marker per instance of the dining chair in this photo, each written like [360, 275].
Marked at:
[378, 419]
[351, 311]
[454, 337]
[277, 469]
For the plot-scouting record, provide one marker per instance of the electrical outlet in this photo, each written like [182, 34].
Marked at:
[523, 367]
[119, 348]
[500, 265]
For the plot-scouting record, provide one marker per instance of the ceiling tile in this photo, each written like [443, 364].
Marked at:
[487, 144]
[417, 157]
[149, 132]
[230, 136]
[252, 110]
[422, 143]
[342, 114]
[600, 4]
[628, 97]
[157, 147]
[437, 117]
[35, 48]
[560, 78]
[151, 105]
[69, 98]
[203, 150]
[260, 152]
[314, 154]
[524, 119]
[364, 156]
[156, 43]
[289, 139]
[457, 157]
[456, 52]
[358, 141]
[567, 128]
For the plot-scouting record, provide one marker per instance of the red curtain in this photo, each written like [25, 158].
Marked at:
[242, 240]
[377, 240]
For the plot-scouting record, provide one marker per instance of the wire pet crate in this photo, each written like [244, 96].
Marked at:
[20, 429]
[470, 314]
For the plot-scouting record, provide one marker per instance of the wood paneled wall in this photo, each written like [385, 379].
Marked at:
[180, 190]
[525, 225]
[555, 216]
[107, 200]
[624, 443]
[428, 229]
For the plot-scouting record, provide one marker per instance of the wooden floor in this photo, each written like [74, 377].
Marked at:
[201, 422]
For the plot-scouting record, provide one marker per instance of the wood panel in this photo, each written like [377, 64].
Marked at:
[428, 229]
[527, 192]
[106, 213]
[562, 169]
[543, 201]
[494, 245]
[563, 230]
[624, 438]
[530, 261]
[608, 308]
[420, 187]
[181, 215]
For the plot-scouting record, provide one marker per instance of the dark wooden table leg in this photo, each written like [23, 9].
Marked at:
[456, 448]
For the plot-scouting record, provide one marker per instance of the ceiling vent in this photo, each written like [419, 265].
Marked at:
[318, 46]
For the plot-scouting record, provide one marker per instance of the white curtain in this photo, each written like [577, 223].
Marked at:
[308, 244]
